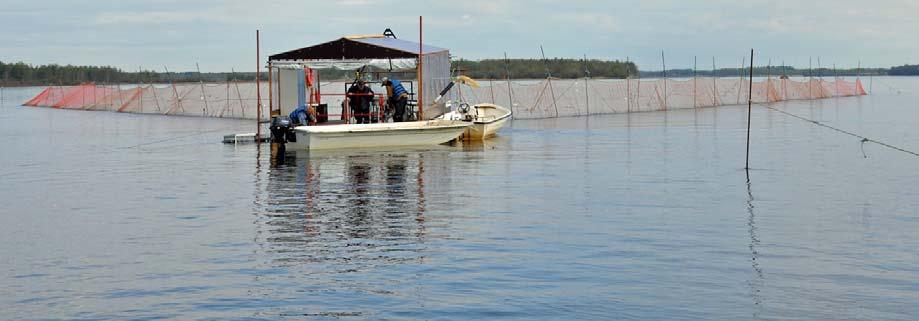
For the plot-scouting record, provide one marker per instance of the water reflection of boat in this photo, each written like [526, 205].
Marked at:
[351, 210]
[495, 143]
[418, 133]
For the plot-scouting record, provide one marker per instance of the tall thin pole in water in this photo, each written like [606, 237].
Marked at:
[836, 79]
[664, 65]
[638, 87]
[749, 110]
[491, 87]
[810, 80]
[819, 71]
[549, 79]
[507, 75]
[628, 86]
[858, 76]
[743, 64]
[715, 98]
[871, 83]
[420, 70]
[858, 70]
[586, 76]
[783, 80]
[141, 88]
[201, 83]
[768, 80]
[175, 92]
[270, 87]
[695, 87]
[258, 91]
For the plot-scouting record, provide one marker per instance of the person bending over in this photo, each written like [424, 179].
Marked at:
[398, 98]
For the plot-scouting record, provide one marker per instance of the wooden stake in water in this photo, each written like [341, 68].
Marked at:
[628, 86]
[586, 89]
[258, 91]
[743, 64]
[549, 79]
[810, 79]
[695, 98]
[715, 99]
[749, 110]
[507, 75]
[203, 92]
[664, 65]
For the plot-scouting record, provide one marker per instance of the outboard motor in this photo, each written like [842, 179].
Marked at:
[467, 112]
[282, 130]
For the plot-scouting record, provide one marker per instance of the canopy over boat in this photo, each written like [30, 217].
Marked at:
[354, 52]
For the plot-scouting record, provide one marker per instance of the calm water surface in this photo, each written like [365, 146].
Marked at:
[643, 216]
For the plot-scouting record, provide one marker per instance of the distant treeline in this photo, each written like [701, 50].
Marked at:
[537, 68]
[904, 70]
[22, 74]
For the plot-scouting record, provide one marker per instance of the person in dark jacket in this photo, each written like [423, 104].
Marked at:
[359, 97]
[397, 97]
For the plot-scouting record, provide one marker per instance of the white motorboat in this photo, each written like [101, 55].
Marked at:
[486, 119]
[415, 133]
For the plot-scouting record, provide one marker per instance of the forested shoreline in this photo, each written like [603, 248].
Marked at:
[22, 74]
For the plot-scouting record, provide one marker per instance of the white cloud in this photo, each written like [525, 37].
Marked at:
[845, 30]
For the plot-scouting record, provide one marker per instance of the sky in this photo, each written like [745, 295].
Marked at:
[220, 35]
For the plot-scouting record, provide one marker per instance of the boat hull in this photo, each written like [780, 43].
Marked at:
[484, 130]
[432, 132]
[490, 118]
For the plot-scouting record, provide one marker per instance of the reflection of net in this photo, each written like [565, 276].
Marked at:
[232, 100]
[573, 97]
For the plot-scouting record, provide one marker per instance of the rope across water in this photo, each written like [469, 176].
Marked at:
[863, 138]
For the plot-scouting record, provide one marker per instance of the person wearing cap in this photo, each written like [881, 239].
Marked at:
[398, 98]
[358, 98]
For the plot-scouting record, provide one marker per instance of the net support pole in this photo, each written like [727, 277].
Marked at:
[258, 92]
[858, 70]
[784, 82]
[549, 79]
[749, 111]
[810, 78]
[270, 88]
[420, 69]
[637, 89]
[768, 80]
[743, 64]
[507, 75]
[201, 83]
[664, 66]
[491, 87]
[820, 77]
[142, 88]
[586, 89]
[836, 79]
[715, 99]
[628, 86]
[175, 92]
[695, 86]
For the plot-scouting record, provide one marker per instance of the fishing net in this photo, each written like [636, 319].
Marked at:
[573, 97]
[529, 99]
[229, 100]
